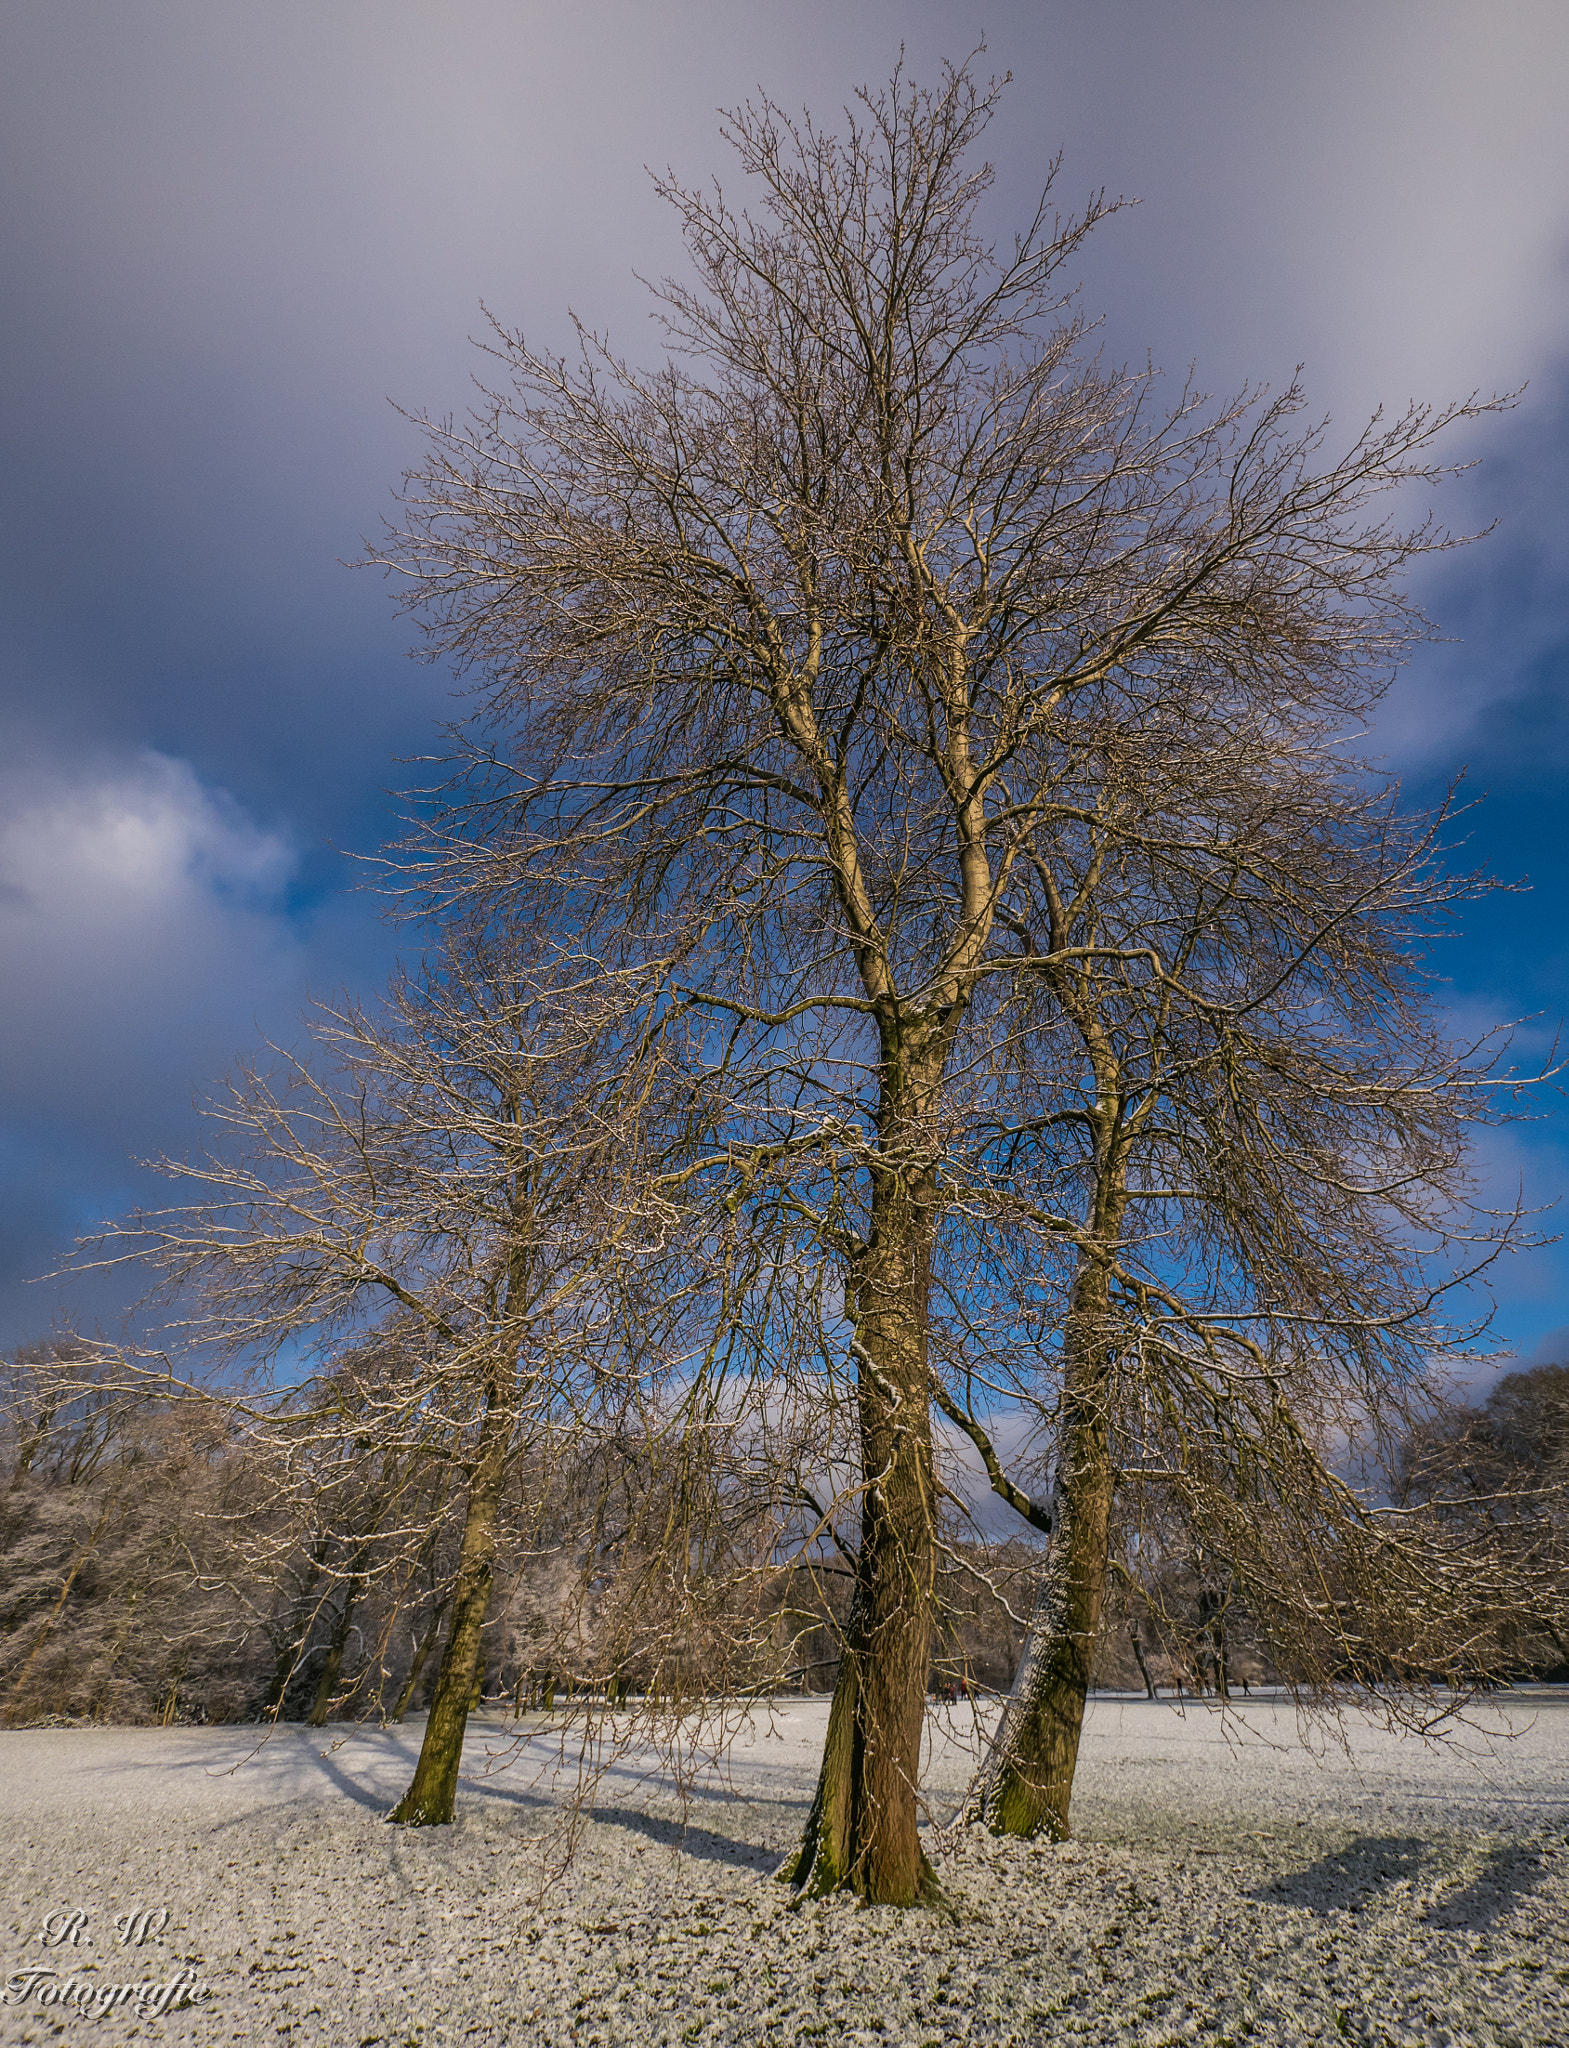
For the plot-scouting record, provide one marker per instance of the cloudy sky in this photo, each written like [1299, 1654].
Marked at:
[233, 239]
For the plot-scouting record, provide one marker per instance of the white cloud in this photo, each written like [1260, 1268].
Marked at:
[142, 927]
[137, 837]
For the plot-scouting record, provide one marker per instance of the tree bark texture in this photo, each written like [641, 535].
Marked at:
[431, 1797]
[862, 1833]
[1026, 1784]
[420, 1658]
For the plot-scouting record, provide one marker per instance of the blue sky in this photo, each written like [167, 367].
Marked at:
[230, 236]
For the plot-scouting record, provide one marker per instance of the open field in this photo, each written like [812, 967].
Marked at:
[1218, 1891]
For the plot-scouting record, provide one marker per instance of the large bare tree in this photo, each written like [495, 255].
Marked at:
[792, 652]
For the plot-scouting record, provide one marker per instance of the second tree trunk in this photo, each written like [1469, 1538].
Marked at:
[1026, 1784]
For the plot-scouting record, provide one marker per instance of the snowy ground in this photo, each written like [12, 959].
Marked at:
[1219, 1890]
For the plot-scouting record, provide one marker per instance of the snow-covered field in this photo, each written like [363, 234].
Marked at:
[1223, 1887]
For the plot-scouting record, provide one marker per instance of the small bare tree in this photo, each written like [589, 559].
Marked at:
[441, 1161]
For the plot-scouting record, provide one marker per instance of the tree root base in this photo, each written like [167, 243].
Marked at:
[1011, 1809]
[822, 1881]
[413, 1814]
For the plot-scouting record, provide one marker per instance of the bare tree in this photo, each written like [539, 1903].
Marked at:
[1501, 1472]
[115, 1603]
[439, 1164]
[1215, 1217]
[794, 651]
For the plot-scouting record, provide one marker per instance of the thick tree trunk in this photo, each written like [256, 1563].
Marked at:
[331, 1665]
[1026, 1783]
[431, 1797]
[862, 1833]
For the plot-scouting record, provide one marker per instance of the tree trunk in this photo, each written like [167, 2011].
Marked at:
[301, 1614]
[1025, 1785]
[420, 1659]
[862, 1833]
[1144, 1670]
[1212, 1640]
[431, 1797]
[332, 1663]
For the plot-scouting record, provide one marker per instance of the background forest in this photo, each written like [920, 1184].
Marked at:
[156, 1573]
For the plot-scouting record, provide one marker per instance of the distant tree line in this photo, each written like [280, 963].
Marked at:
[155, 1573]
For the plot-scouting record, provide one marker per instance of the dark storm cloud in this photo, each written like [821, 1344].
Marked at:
[231, 235]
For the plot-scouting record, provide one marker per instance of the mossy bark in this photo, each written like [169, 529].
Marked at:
[430, 1799]
[1025, 1785]
[862, 1834]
